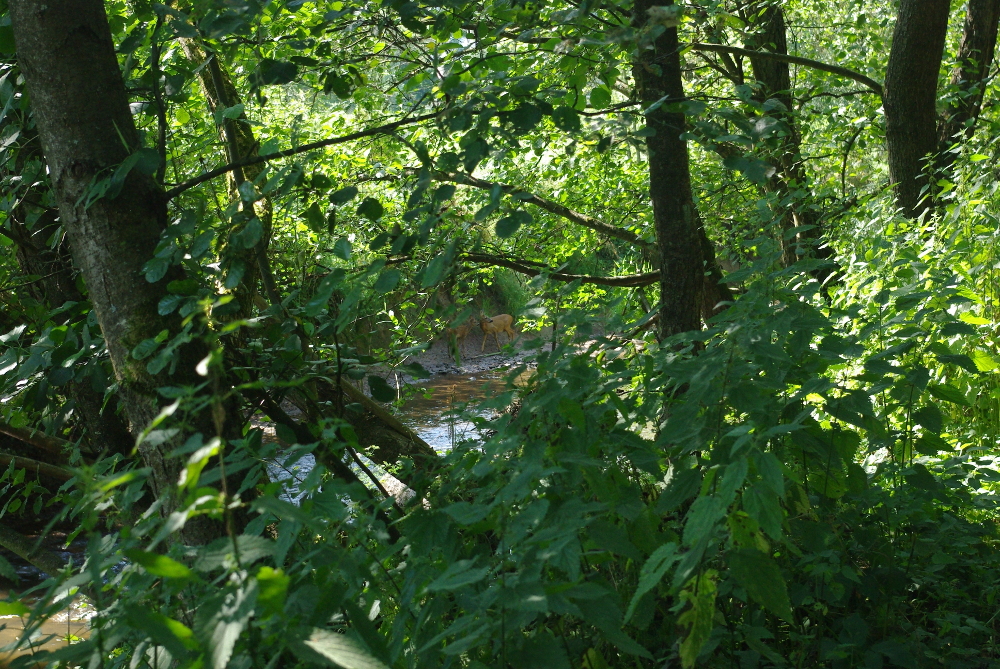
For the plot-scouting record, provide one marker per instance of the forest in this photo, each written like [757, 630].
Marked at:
[736, 262]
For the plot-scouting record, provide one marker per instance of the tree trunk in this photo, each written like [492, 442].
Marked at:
[80, 106]
[975, 56]
[657, 71]
[240, 143]
[775, 83]
[910, 97]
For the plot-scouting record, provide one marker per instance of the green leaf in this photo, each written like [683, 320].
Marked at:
[957, 328]
[984, 361]
[273, 589]
[760, 577]
[156, 269]
[754, 169]
[13, 609]
[221, 553]
[381, 390]
[613, 538]
[342, 248]
[600, 97]
[929, 417]
[371, 209]
[566, 119]
[963, 361]
[682, 486]
[508, 225]
[340, 85]
[341, 650]
[949, 394]
[315, 218]
[145, 348]
[172, 634]
[343, 195]
[324, 291]
[652, 572]
[183, 287]
[458, 575]
[525, 86]
[386, 281]
[466, 513]
[699, 619]
[279, 508]
[159, 565]
[525, 117]
[221, 619]
[435, 270]
[272, 72]
[931, 444]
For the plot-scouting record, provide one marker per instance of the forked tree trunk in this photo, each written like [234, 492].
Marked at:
[975, 56]
[657, 71]
[910, 97]
[66, 53]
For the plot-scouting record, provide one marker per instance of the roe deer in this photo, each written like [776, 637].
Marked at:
[491, 326]
[458, 334]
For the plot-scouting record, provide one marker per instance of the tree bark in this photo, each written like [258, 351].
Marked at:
[657, 72]
[66, 53]
[776, 84]
[910, 97]
[975, 56]
[240, 143]
[106, 430]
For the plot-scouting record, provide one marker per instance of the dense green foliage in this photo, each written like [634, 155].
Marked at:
[809, 481]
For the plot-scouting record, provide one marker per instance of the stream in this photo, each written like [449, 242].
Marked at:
[429, 414]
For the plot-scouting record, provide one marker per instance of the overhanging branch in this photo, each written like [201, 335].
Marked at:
[534, 269]
[549, 206]
[875, 86]
[305, 148]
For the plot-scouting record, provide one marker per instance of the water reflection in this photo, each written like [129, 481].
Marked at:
[432, 414]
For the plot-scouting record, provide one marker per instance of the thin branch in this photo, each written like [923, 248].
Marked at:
[549, 206]
[41, 468]
[312, 146]
[43, 442]
[875, 86]
[534, 269]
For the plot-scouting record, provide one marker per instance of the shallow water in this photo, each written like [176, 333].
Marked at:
[432, 414]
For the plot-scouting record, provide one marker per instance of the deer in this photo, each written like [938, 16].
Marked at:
[494, 325]
[458, 334]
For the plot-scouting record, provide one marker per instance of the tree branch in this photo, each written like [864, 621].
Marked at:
[41, 468]
[312, 146]
[28, 550]
[875, 86]
[43, 442]
[549, 206]
[532, 268]
[322, 454]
